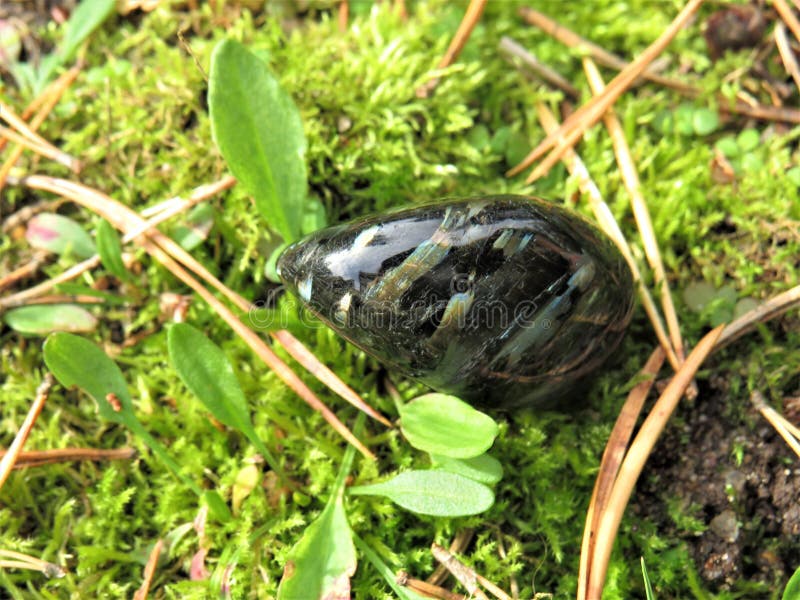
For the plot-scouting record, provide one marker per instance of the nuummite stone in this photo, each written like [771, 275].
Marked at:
[501, 300]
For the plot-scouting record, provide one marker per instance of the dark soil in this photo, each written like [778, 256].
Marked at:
[750, 510]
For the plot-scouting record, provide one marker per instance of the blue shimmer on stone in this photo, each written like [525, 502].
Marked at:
[502, 300]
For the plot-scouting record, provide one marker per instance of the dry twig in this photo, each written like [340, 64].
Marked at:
[37, 458]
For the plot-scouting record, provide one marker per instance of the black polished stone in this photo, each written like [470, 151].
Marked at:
[502, 300]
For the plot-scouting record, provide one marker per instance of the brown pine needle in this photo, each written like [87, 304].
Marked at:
[35, 141]
[609, 225]
[459, 544]
[635, 460]
[515, 50]
[47, 101]
[630, 177]
[37, 458]
[149, 571]
[471, 18]
[612, 458]
[604, 57]
[772, 308]
[128, 219]
[459, 570]
[608, 59]
[787, 430]
[10, 457]
[312, 364]
[158, 245]
[18, 560]
[785, 11]
[787, 54]
[198, 195]
[45, 150]
[25, 270]
[592, 111]
[426, 589]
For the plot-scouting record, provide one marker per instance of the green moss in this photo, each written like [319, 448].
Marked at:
[138, 120]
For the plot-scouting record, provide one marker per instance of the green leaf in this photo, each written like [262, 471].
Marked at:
[792, 589]
[748, 140]
[436, 493]
[76, 361]
[705, 121]
[443, 424]
[47, 318]
[320, 564]
[195, 228]
[59, 234]
[87, 16]
[110, 250]
[258, 130]
[483, 468]
[208, 374]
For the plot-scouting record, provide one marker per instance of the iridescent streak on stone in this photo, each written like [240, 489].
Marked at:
[503, 300]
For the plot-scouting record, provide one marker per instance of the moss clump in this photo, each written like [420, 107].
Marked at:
[137, 117]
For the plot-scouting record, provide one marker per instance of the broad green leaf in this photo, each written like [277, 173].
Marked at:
[46, 318]
[705, 121]
[483, 468]
[59, 234]
[792, 589]
[208, 374]
[320, 564]
[77, 361]
[110, 250]
[434, 492]
[258, 130]
[443, 424]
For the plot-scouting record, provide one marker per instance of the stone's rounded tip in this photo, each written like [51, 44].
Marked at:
[504, 300]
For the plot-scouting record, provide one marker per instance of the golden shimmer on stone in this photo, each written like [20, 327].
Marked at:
[501, 300]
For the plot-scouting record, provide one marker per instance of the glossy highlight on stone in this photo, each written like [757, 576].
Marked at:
[503, 300]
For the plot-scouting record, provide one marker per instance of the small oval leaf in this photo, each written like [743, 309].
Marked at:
[444, 424]
[483, 468]
[244, 96]
[110, 250]
[47, 318]
[60, 235]
[436, 493]
[77, 361]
